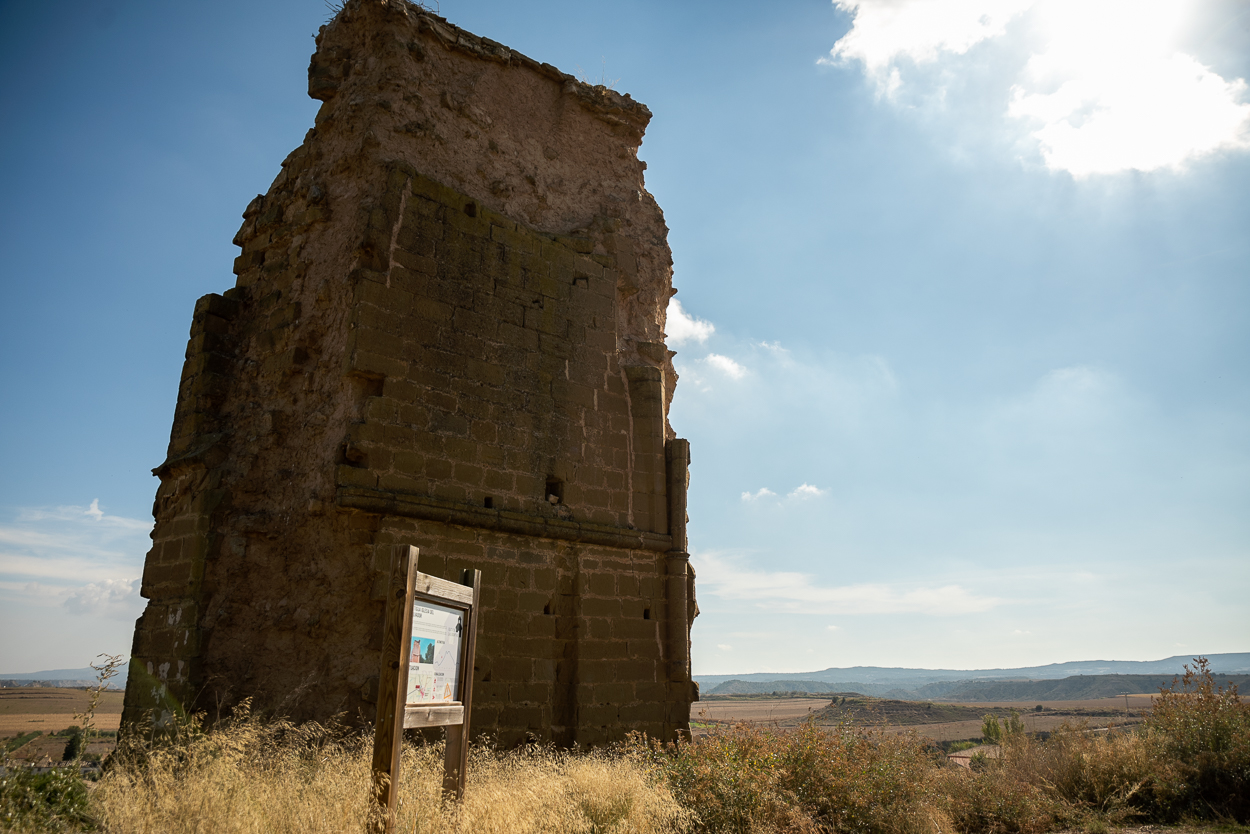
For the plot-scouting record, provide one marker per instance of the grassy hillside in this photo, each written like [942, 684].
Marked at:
[1077, 688]
[773, 688]
[860, 710]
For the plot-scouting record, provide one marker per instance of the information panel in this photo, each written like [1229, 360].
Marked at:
[434, 656]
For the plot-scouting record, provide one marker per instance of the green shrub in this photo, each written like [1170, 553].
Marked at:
[988, 800]
[1190, 759]
[20, 740]
[76, 745]
[54, 801]
[1202, 733]
[748, 779]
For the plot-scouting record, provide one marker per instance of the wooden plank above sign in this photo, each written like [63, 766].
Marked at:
[435, 587]
[439, 716]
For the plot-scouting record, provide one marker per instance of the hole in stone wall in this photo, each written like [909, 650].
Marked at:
[365, 387]
[547, 608]
[470, 209]
[646, 613]
[488, 503]
[352, 455]
[555, 490]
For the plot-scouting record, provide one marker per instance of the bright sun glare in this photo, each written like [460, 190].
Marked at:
[1106, 87]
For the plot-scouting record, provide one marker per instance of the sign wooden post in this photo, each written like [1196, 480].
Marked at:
[426, 675]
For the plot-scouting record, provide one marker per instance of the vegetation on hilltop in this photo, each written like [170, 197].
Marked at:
[1189, 760]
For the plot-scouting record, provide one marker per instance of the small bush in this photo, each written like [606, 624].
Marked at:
[1202, 733]
[55, 801]
[76, 745]
[989, 801]
[747, 779]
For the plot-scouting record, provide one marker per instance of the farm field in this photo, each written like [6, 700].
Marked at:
[937, 721]
[756, 710]
[960, 730]
[51, 749]
[50, 709]
[1138, 703]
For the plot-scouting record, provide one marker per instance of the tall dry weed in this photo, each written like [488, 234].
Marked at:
[245, 775]
[1189, 760]
[248, 776]
[544, 790]
[747, 779]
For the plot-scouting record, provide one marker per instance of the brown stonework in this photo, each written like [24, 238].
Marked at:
[446, 331]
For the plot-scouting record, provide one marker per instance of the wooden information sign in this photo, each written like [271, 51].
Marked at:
[426, 676]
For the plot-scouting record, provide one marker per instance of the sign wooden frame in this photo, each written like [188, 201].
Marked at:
[405, 588]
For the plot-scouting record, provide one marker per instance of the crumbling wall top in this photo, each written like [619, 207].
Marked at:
[401, 84]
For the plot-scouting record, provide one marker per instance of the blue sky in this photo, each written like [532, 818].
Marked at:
[965, 306]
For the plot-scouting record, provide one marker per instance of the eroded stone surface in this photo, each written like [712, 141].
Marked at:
[447, 331]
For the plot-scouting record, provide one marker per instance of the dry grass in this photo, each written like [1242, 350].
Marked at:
[1191, 759]
[272, 777]
[544, 790]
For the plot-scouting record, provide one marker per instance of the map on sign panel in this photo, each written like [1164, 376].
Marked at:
[434, 656]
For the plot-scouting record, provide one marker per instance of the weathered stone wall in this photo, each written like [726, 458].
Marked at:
[446, 331]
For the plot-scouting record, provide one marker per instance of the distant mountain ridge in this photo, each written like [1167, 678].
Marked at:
[876, 676]
[1074, 688]
[62, 677]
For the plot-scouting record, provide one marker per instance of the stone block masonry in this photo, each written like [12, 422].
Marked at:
[446, 331]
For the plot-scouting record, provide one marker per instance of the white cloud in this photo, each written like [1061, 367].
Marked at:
[797, 593]
[1103, 86]
[1064, 399]
[724, 647]
[78, 557]
[773, 378]
[1154, 115]
[72, 514]
[885, 30]
[49, 567]
[118, 598]
[806, 490]
[833, 628]
[681, 327]
[725, 365]
[764, 492]
[800, 492]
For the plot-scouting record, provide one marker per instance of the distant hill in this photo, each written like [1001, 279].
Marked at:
[1072, 689]
[1075, 688]
[61, 678]
[910, 679]
[869, 711]
[737, 687]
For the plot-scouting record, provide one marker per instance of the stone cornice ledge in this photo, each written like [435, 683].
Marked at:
[387, 502]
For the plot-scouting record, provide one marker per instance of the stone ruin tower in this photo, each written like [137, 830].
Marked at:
[447, 331]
